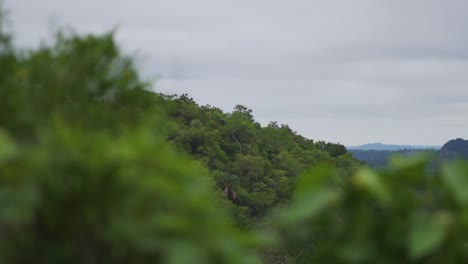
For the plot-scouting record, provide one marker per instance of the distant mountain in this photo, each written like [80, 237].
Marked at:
[380, 158]
[376, 154]
[455, 148]
[380, 146]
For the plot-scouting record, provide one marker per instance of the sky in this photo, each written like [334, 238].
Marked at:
[350, 72]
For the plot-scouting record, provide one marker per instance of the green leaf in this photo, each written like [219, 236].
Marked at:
[371, 181]
[186, 252]
[310, 205]
[416, 161]
[355, 252]
[410, 168]
[7, 146]
[455, 177]
[427, 233]
[313, 180]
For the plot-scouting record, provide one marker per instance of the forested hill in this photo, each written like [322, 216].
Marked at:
[254, 167]
[455, 148]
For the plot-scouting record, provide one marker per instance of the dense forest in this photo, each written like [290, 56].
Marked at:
[95, 167]
[255, 167]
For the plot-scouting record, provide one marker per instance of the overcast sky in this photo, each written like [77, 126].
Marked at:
[354, 72]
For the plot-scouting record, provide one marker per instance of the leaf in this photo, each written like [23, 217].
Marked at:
[427, 233]
[7, 146]
[455, 177]
[310, 205]
[371, 181]
[313, 180]
[410, 168]
[410, 161]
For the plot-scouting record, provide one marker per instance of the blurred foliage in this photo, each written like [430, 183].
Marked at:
[380, 159]
[88, 197]
[95, 168]
[407, 213]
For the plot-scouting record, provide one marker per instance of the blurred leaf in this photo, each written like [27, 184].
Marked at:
[185, 252]
[310, 205]
[313, 179]
[7, 146]
[355, 252]
[426, 234]
[455, 175]
[371, 181]
[411, 161]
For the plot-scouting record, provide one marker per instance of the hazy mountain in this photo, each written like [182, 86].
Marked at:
[376, 155]
[380, 146]
[379, 158]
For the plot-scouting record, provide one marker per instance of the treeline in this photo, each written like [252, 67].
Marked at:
[381, 158]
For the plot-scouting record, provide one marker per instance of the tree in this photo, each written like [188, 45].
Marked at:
[228, 184]
[241, 127]
[250, 169]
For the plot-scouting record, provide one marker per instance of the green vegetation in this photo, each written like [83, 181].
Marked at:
[255, 167]
[95, 168]
[403, 214]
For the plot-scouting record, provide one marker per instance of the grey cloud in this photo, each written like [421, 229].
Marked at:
[346, 71]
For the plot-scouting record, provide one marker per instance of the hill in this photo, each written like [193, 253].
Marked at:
[455, 148]
[380, 146]
[254, 167]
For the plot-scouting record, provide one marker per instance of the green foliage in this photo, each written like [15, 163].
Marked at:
[84, 79]
[265, 160]
[93, 198]
[408, 213]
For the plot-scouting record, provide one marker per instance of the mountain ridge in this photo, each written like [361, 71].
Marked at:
[391, 147]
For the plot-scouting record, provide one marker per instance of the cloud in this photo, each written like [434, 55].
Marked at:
[346, 71]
